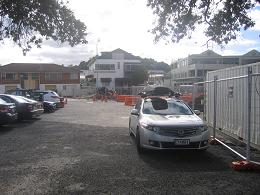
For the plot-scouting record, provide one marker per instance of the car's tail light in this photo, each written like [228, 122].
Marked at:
[30, 107]
[4, 108]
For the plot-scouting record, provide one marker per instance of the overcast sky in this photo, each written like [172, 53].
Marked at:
[124, 24]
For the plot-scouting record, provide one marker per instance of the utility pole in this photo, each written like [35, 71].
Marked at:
[95, 64]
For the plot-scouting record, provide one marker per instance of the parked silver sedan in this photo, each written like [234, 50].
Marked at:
[167, 123]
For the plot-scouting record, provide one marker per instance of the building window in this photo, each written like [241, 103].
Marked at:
[35, 76]
[191, 73]
[73, 76]
[9, 76]
[200, 73]
[118, 65]
[105, 82]
[131, 67]
[53, 76]
[105, 67]
[24, 76]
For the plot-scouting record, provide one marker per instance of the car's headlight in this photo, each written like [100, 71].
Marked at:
[202, 128]
[155, 129]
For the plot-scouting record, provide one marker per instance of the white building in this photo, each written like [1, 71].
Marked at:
[112, 69]
[156, 77]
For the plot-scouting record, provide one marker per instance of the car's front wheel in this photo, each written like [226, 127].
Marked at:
[129, 128]
[139, 147]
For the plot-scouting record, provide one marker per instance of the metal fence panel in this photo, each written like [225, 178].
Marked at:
[232, 107]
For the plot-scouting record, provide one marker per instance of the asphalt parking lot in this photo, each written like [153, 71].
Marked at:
[85, 148]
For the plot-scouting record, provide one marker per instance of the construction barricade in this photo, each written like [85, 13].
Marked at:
[231, 107]
[131, 100]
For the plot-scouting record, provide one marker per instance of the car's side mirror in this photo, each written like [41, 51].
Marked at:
[135, 112]
[197, 112]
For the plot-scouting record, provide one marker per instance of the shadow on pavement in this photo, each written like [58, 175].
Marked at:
[185, 160]
[17, 125]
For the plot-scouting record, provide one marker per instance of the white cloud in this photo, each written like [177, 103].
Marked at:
[255, 15]
[241, 41]
[49, 53]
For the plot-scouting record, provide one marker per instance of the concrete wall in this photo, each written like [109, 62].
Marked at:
[3, 87]
[71, 90]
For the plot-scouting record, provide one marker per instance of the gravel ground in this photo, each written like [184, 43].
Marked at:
[85, 148]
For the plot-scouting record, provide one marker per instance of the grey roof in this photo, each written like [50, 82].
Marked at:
[36, 67]
[252, 53]
[127, 56]
[207, 53]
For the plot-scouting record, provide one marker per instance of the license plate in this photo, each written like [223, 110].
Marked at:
[182, 142]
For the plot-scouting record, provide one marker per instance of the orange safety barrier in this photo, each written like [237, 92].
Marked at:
[130, 100]
[244, 165]
[121, 98]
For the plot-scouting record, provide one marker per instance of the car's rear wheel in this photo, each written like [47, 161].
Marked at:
[139, 147]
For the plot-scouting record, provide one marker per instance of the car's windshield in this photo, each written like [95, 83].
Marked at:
[19, 99]
[174, 108]
[27, 99]
[2, 101]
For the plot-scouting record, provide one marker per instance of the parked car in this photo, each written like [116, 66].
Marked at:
[38, 103]
[19, 92]
[49, 106]
[167, 123]
[8, 112]
[49, 96]
[26, 109]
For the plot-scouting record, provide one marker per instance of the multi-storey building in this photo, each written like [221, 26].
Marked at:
[195, 67]
[112, 69]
